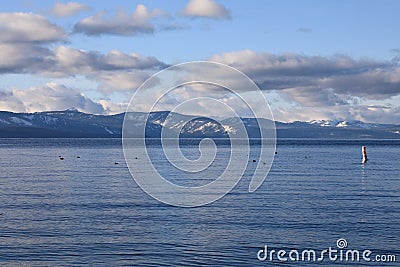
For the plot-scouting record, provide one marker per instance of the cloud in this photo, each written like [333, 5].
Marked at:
[318, 87]
[205, 9]
[341, 74]
[28, 27]
[24, 58]
[291, 64]
[49, 97]
[120, 81]
[377, 83]
[113, 71]
[9, 102]
[113, 108]
[305, 30]
[66, 61]
[69, 61]
[68, 9]
[308, 97]
[139, 22]
[378, 114]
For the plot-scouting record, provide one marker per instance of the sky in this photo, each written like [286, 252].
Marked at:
[313, 60]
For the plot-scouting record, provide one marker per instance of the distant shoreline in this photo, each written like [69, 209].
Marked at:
[75, 124]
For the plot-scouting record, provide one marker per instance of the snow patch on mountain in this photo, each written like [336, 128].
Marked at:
[4, 121]
[20, 121]
[352, 124]
[322, 123]
[229, 129]
[342, 124]
[108, 130]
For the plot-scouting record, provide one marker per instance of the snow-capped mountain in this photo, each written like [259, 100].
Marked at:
[68, 123]
[352, 124]
[72, 123]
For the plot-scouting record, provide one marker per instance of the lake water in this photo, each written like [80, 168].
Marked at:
[89, 211]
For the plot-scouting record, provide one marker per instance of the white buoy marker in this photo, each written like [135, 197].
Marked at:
[364, 153]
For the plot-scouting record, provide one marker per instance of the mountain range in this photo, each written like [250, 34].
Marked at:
[74, 124]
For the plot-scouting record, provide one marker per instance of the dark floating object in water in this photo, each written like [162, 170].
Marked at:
[78, 157]
[115, 163]
[61, 158]
[305, 157]
[276, 152]
[136, 157]
[254, 160]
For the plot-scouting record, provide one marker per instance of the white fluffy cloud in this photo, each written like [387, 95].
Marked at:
[51, 96]
[317, 87]
[315, 97]
[28, 27]
[305, 76]
[67, 9]
[310, 87]
[111, 107]
[69, 61]
[114, 71]
[23, 58]
[138, 22]
[27, 47]
[205, 9]
[120, 81]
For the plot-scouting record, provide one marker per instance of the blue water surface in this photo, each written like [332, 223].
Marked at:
[89, 211]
